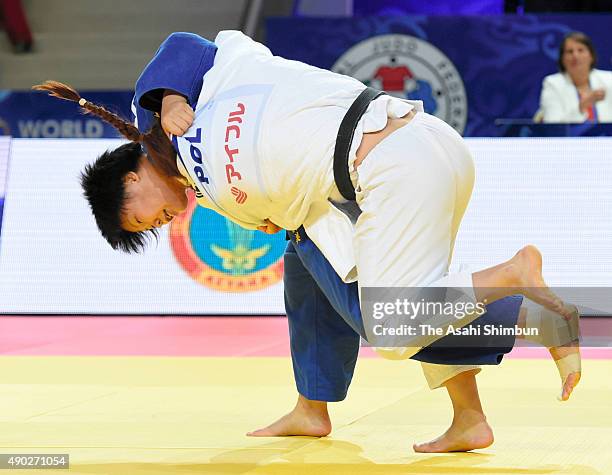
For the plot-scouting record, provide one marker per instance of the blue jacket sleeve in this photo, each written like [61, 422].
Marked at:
[179, 64]
[143, 118]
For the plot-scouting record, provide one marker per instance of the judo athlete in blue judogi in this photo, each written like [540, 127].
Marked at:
[275, 144]
[325, 326]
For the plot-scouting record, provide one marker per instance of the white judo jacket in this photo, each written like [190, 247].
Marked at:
[261, 146]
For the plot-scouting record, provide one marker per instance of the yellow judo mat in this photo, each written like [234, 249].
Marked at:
[177, 415]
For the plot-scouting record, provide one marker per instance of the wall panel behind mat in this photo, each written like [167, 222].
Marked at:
[555, 193]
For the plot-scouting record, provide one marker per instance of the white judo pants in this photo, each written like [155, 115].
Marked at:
[413, 189]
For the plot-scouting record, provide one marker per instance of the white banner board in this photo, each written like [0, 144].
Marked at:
[555, 193]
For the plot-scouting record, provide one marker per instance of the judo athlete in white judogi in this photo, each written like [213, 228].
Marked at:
[257, 138]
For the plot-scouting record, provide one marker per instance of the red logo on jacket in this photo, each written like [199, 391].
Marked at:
[240, 195]
[233, 127]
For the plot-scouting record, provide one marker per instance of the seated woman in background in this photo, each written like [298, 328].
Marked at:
[579, 92]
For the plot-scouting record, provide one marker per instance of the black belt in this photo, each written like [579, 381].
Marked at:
[342, 177]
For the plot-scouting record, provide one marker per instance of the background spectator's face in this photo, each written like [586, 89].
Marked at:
[576, 57]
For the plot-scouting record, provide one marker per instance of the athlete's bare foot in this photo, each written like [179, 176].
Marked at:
[566, 334]
[571, 370]
[308, 418]
[573, 378]
[520, 275]
[468, 431]
[527, 264]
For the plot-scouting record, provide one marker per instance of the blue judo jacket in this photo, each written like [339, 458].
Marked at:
[179, 64]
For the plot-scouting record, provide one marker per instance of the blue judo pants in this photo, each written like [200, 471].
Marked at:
[325, 326]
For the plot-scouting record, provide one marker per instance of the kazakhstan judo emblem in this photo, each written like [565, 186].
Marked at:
[409, 68]
[223, 256]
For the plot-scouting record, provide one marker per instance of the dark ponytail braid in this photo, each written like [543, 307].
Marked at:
[159, 149]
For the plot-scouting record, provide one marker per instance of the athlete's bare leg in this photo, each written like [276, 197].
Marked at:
[469, 429]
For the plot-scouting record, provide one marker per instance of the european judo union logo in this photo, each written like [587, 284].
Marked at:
[409, 68]
[223, 256]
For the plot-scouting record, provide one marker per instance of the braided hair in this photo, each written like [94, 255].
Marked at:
[102, 181]
[157, 145]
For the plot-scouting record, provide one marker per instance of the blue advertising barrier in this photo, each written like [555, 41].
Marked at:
[525, 128]
[29, 114]
[468, 70]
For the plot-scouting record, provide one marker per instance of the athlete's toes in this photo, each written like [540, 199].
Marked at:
[265, 432]
[569, 385]
[427, 447]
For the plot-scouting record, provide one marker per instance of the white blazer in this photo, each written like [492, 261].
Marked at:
[559, 98]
